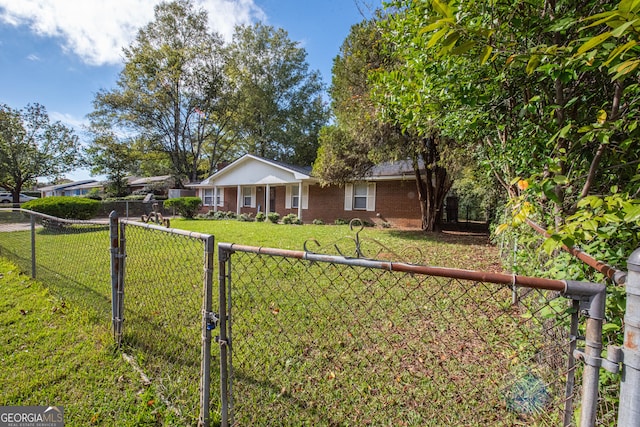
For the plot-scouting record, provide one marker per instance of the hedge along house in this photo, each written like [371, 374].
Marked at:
[253, 184]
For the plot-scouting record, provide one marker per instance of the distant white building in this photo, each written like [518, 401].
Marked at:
[76, 188]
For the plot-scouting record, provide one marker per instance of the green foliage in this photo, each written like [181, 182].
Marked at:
[106, 155]
[278, 99]
[31, 146]
[291, 219]
[318, 222]
[274, 217]
[171, 94]
[94, 194]
[64, 207]
[261, 217]
[340, 221]
[187, 207]
[245, 217]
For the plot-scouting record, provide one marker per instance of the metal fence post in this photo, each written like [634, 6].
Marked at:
[115, 271]
[122, 258]
[223, 257]
[33, 246]
[629, 410]
[209, 322]
[592, 297]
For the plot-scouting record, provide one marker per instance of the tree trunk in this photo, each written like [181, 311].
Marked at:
[433, 183]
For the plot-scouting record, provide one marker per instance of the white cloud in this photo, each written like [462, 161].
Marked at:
[68, 120]
[97, 30]
[33, 57]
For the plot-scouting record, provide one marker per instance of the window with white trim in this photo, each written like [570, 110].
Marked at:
[295, 196]
[247, 196]
[219, 196]
[359, 197]
[207, 198]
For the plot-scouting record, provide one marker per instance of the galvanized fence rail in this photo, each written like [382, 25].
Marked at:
[316, 339]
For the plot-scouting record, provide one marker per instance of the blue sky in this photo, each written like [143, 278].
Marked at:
[60, 53]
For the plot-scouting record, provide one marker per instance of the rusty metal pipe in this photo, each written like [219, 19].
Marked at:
[619, 277]
[454, 273]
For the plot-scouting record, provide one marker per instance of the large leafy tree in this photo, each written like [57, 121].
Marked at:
[367, 130]
[278, 100]
[31, 146]
[171, 92]
[530, 86]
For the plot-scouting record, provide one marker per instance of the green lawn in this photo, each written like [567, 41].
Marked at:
[56, 353]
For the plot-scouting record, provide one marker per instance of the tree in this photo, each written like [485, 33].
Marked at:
[31, 146]
[529, 86]
[279, 105]
[114, 158]
[171, 92]
[367, 130]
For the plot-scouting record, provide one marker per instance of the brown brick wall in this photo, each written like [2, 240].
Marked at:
[396, 204]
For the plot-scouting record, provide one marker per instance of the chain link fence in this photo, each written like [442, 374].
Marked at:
[338, 341]
[332, 339]
[523, 253]
[72, 257]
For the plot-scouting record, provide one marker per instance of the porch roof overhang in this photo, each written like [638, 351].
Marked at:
[251, 170]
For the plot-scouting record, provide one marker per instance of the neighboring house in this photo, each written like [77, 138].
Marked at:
[75, 188]
[253, 184]
[84, 189]
[151, 184]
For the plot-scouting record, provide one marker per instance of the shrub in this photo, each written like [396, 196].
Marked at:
[340, 221]
[187, 207]
[94, 194]
[274, 217]
[291, 219]
[261, 217]
[318, 222]
[207, 215]
[65, 207]
[245, 217]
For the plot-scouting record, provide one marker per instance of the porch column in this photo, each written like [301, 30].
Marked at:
[267, 199]
[300, 200]
[239, 200]
[215, 200]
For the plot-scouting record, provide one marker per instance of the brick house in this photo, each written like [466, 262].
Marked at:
[253, 184]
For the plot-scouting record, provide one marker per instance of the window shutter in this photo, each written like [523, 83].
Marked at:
[305, 196]
[348, 197]
[371, 196]
[221, 193]
[287, 198]
[253, 197]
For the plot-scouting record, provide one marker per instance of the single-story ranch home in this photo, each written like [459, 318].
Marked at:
[253, 184]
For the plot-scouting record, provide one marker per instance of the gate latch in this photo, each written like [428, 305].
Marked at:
[212, 320]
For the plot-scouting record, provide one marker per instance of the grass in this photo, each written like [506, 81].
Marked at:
[56, 353]
[318, 326]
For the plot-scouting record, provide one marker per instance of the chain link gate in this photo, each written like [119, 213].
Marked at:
[317, 339]
[162, 284]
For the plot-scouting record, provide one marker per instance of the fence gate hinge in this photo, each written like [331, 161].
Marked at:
[611, 363]
[212, 320]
